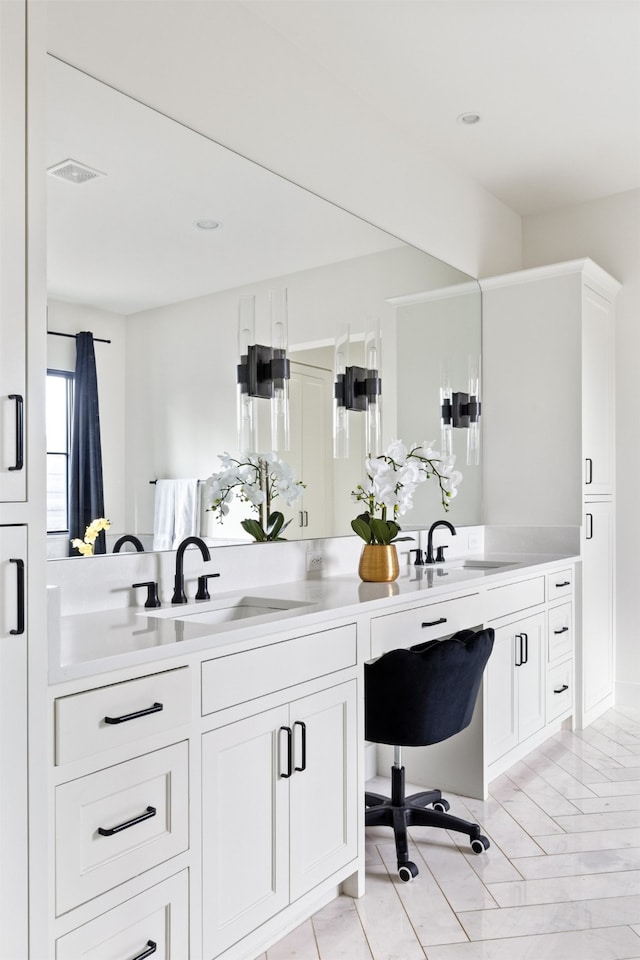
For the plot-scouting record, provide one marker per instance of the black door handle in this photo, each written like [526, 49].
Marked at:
[150, 948]
[110, 831]
[561, 689]
[19, 464]
[561, 630]
[589, 531]
[565, 583]
[19, 596]
[519, 658]
[156, 708]
[303, 728]
[434, 623]
[589, 472]
[289, 732]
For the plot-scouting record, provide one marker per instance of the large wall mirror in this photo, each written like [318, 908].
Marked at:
[127, 261]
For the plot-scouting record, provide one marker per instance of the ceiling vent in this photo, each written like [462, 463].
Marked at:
[74, 172]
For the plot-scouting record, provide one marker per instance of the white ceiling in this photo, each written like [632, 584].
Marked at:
[556, 83]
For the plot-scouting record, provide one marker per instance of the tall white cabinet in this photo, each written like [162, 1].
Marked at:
[549, 435]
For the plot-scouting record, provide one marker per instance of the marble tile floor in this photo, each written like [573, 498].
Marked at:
[561, 879]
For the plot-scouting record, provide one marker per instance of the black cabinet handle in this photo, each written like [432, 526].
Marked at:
[110, 831]
[434, 623]
[150, 948]
[19, 464]
[589, 524]
[303, 728]
[526, 647]
[520, 653]
[301, 520]
[561, 689]
[156, 708]
[306, 518]
[565, 583]
[561, 630]
[19, 596]
[289, 732]
[589, 471]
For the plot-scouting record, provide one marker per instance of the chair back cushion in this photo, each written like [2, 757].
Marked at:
[427, 693]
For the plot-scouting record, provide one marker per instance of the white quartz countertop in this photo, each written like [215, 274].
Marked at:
[87, 644]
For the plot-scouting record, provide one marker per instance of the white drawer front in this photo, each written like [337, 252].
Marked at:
[118, 822]
[559, 689]
[85, 721]
[158, 916]
[502, 601]
[560, 584]
[255, 673]
[423, 623]
[560, 632]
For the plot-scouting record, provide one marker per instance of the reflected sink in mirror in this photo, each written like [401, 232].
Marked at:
[227, 610]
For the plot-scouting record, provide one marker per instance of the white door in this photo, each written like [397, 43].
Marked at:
[324, 797]
[311, 454]
[245, 823]
[530, 675]
[597, 393]
[13, 742]
[597, 658]
[501, 694]
[12, 251]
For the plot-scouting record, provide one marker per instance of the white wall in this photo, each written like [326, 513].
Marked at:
[608, 231]
[221, 70]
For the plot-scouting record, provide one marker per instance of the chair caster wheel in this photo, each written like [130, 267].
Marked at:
[441, 805]
[480, 844]
[407, 871]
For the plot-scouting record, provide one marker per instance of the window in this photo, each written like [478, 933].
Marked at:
[59, 406]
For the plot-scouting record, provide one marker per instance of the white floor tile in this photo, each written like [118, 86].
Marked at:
[612, 943]
[557, 889]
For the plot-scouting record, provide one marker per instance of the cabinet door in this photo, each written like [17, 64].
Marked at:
[13, 743]
[597, 651]
[501, 695]
[597, 393]
[530, 664]
[323, 835]
[12, 250]
[310, 454]
[245, 824]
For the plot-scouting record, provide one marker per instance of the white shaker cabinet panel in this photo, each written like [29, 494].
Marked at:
[596, 660]
[598, 372]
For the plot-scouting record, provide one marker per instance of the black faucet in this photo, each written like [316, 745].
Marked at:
[179, 595]
[128, 538]
[440, 552]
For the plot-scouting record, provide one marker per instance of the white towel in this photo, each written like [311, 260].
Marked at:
[176, 513]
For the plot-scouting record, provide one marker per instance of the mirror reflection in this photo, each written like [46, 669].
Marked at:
[151, 251]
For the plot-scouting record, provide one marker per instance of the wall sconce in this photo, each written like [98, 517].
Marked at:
[263, 373]
[357, 388]
[461, 410]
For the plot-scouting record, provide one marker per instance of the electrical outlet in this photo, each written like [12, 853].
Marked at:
[474, 542]
[314, 561]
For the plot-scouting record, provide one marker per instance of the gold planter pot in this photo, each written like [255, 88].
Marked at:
[378, 563]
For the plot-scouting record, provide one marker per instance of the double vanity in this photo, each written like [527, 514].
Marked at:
[208, 758]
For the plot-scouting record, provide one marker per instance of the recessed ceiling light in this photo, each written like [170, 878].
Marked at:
[208, 224]
[469, 118]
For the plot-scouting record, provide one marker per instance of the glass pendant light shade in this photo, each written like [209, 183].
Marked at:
[246, 404]
[473, 436]
[446, 399]
[340, 411]
[280, 418]
[373, 413]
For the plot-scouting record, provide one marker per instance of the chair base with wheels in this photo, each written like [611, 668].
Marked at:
[425, 809]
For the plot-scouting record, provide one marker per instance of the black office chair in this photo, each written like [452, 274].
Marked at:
[416, 697]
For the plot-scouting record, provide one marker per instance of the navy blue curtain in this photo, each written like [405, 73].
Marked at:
[86, 493]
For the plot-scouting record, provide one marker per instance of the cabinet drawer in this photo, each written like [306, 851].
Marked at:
[424, 623]
[502, 601]
[559, 689]
[114, 824]
[139, 708]
[560, 632]
[244, 676]
[158, 916]
[559, 584]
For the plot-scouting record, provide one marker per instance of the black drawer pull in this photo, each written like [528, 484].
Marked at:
[289, 732]
[561, 689]
[19, 597]
[109, 831]
[156, 708]
[565, 583]
[151, 948]
[434, 623]
[561, 630]
[303, 728]
[19, 464]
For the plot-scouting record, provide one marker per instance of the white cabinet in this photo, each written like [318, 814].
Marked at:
[279, 815]
[12, 250]
[596, 659]
[311, 390]
[515, 685]
[598, 397]
[13, 742]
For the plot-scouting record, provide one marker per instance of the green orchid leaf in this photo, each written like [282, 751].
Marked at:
[383, 530]
[255, 530]
[362, 528]
[275, 523]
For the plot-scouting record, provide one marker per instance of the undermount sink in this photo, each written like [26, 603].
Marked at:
[227, 610]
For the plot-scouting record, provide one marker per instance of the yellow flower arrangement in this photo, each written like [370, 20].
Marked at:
[85, 547]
